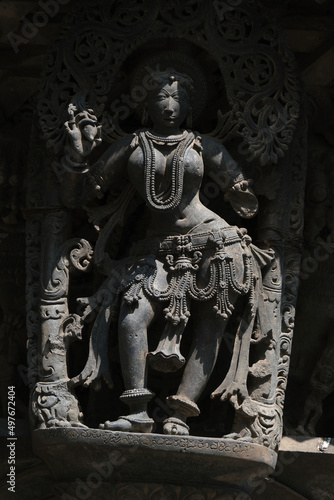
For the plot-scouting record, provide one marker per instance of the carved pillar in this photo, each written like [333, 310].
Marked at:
[51, 255]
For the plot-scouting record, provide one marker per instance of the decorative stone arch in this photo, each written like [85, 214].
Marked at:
[253, 58]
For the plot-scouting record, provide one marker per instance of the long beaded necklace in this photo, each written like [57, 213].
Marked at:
[166, 201]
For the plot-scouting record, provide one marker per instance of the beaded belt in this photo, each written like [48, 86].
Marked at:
[189, 242]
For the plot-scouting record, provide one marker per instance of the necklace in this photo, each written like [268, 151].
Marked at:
[170, 139]
[172, 197]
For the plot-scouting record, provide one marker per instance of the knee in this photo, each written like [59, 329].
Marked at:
[134, 323]
[129, 326]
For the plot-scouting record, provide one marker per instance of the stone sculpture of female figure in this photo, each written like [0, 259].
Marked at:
[191, 262]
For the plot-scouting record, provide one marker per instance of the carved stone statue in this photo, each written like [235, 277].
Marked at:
[190, 262]
[178, 303]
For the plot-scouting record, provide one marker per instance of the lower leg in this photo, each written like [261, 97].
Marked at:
[133, 352]
[199, 367]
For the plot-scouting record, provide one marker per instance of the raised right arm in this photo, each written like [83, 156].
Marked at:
[82, 183]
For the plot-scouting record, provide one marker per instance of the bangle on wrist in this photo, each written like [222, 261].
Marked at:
[71, 164]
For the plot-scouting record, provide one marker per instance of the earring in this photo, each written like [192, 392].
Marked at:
[189, 119]
[144, 117]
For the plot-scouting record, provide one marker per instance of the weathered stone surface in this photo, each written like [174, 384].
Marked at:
[124, 457]
[56, 365]
[186, 272]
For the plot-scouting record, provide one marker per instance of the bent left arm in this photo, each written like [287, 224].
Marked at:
[221, 167]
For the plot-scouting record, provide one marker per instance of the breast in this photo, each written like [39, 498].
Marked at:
[193, 165]
[193, 169]
[136, 169]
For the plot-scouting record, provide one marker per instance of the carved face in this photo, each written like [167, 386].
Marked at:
[168, 107]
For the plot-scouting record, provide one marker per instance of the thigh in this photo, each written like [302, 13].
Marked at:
[146, 307]
[139, 315]
[208, 327]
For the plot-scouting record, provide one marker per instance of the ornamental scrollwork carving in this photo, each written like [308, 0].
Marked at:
[261, 86]
[53, 406]
[52, 402]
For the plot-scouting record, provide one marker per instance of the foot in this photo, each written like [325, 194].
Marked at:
[176, 427]
[130, 423]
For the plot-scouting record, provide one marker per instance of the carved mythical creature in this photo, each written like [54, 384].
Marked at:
[190, 262]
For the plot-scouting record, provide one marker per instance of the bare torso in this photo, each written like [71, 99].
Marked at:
[190, 213]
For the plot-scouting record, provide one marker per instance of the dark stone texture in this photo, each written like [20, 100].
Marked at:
[153, 458]
[86, 334]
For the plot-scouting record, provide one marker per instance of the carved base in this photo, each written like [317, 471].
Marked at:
[117, 457]
[53, 405]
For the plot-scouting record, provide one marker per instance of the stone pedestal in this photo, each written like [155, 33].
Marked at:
[184, 465]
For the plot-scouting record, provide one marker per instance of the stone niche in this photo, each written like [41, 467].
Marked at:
[161, 304]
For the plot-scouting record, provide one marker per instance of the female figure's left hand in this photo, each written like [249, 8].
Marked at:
[242, 199]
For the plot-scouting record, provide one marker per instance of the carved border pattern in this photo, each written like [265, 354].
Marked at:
[124, 452]
[292, 250]
[228, 446]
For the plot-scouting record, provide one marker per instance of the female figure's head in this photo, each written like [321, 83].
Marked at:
[169, 102]
[169, 87]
